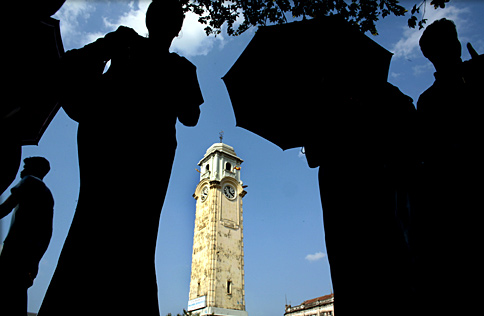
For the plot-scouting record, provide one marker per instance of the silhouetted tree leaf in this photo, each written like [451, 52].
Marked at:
[237, 16]
[439, 3]
[413, 20]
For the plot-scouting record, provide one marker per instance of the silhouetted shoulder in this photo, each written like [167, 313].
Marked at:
[27, 183]
[427, 98]
[394, 92]
[182, 62]
[32, 190]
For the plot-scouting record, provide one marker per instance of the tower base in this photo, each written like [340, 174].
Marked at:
[216, 311]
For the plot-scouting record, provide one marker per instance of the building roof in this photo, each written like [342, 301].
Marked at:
[321, 298]
[318, 302]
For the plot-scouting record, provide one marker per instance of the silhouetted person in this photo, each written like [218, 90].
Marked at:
[362, 143]
[126, 142]
[448, 223]
[28, 237]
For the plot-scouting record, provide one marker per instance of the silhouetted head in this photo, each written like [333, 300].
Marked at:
[35, 166]
[164, 20]
[440, 44]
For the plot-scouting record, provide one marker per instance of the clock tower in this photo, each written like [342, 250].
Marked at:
[217, 278]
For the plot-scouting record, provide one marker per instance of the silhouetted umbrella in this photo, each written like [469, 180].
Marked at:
[276, 85]
[32, 87]
[31, 55]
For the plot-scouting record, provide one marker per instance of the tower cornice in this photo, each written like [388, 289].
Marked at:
[214, 184]
[220, 148]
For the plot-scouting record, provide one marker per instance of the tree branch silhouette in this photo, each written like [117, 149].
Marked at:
[237, 16]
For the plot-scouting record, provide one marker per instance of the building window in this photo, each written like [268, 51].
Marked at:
[228, 166]
[229, 287]
[198, 289]
[207, 168]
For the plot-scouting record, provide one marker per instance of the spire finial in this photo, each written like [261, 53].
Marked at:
[221, 136]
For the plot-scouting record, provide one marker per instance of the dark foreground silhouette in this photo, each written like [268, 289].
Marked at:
[332, 98]
[364, 148]
[30, 93]
[126, 142]
[28, 237]
[447, 225]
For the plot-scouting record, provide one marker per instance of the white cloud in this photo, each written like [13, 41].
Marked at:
[69, 15]
[407, 46]
[191, 41]
[74, 16]
[418, 70]
[134, 18]
[315, 257]
[90, 37]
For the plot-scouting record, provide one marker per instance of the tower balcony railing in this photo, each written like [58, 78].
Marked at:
[228, 173]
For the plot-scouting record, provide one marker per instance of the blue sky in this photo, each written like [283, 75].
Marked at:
[285, 254]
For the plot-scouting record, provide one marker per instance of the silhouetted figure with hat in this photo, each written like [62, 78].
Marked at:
[448, 223]
[28, 237]
[126, 143]
[362, 142]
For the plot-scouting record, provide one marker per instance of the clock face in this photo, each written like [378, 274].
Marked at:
[204, 193]
[229, 192]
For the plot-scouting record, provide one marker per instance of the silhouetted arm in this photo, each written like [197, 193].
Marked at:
[472, 51]
[474, 68]
[6, 207]
[188, 111]
[189, 118]
[83, 68]
[313, 154]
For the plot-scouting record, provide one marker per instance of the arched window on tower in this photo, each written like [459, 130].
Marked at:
[228, 166]
[229, 287]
